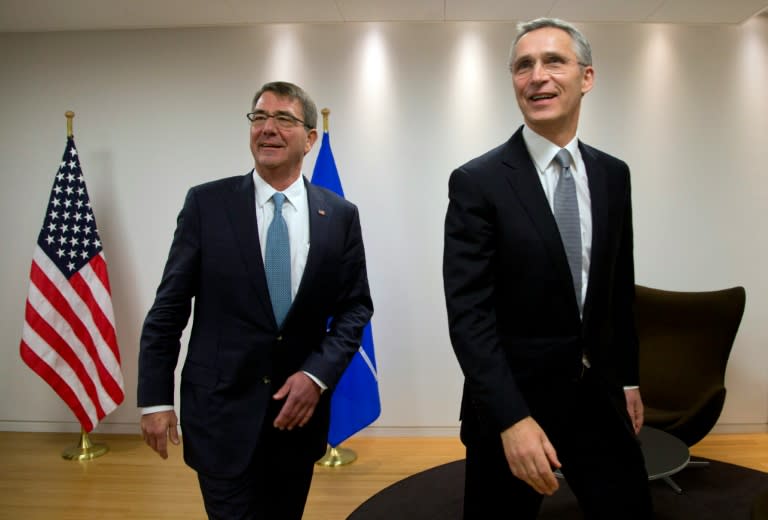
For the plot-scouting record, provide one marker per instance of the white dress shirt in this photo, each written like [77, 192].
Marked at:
[543, 153]
[296, 215]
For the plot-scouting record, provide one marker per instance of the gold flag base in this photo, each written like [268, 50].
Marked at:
[337, 457]
[85, 450]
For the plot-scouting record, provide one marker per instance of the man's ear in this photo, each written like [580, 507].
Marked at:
[311, 138]
[587, 81]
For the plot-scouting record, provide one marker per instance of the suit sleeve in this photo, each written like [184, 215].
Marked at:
[161, 333]
[469, 285]
[623, 308]
[351, 312]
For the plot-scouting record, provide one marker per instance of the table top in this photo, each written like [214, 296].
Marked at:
[664, 454]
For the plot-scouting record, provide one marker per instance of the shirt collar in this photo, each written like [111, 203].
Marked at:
[543, 150]
[264, 191]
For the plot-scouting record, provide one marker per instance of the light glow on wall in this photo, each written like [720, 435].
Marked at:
[375, 87]
[660, 68]
[285, 61]
[470, 106]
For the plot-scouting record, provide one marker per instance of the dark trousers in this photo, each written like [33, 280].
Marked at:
[275, 486]
[599, 452]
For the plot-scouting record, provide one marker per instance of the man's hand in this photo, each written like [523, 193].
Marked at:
[157, 428]
[530, 455]
[301, 395]
[634, 407]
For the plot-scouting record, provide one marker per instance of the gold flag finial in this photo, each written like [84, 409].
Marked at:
[70, 116]
[325, 113]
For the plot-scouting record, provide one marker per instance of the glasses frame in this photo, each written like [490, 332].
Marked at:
[295, 120]
[551, 68]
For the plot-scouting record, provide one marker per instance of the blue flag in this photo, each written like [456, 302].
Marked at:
[355, 402]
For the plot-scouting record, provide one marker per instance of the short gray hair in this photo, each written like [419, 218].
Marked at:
[289, 90]
[581, 46]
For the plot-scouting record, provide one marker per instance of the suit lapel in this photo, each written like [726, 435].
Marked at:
[597, 178]
[241, 209]
[320, 215]
[522, 175]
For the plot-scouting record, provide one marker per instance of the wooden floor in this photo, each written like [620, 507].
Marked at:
[131, 482]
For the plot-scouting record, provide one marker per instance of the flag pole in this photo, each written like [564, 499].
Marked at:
[326, 112]
[337, 456]
[85, 449]
[70, 116]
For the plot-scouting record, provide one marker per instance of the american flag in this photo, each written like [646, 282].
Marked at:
[69, 326]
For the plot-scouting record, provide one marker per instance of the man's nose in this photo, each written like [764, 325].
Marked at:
[270, 125]
[539, 72]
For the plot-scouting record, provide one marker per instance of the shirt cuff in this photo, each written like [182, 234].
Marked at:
[323, 386]
[158, 408]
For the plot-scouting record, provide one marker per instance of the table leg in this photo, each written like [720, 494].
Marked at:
[673, 485]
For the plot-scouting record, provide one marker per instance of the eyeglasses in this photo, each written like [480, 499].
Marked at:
[282, 119]
[554, 64]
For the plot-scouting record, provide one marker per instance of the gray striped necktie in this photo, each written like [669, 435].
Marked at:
[567, 218]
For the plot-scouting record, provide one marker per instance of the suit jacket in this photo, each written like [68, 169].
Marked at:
[237, 356]
[513, 316]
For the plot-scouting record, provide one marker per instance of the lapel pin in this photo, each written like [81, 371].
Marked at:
[321, 212]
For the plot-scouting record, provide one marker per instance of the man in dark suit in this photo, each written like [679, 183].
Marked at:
[255, 386]
[546, 340]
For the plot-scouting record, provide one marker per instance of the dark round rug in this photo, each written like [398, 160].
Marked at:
[718, 491]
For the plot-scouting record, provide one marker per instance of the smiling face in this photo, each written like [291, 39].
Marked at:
[549, 83]
[278, 152]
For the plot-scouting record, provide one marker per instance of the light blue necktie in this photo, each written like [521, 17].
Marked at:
[567, 218]
[277, 261]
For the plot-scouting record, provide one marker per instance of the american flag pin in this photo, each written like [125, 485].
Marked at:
[321, 212]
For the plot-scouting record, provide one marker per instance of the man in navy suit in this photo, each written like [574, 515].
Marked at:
[548, 352]
[255, 388]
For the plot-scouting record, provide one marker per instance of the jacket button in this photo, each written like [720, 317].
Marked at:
[266, 380]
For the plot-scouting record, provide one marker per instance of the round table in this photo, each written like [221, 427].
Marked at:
[664, 455]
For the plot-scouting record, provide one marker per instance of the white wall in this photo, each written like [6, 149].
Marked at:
[160, 110]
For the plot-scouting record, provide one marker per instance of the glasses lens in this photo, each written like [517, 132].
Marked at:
[282, 120]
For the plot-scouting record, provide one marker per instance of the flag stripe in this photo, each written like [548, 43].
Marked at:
[66, 383]
[368, 362]
[58, 348]
[30, 357]
[91, 303]
[91, 287]
[64, 310]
